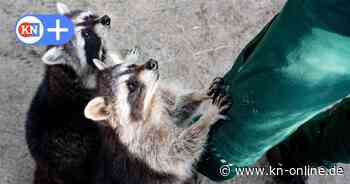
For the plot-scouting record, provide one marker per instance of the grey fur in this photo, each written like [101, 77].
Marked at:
[157, 137]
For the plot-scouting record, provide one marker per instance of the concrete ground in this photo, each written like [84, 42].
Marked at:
[194, 41]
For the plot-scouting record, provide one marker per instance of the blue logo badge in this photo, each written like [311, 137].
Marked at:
[44, 29]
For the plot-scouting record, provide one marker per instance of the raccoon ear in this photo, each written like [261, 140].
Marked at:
[62, 8]
[53, 56]
[99, 64]
[97, 109]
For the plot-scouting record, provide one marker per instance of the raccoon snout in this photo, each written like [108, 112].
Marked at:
[105, 20]
[151, 64]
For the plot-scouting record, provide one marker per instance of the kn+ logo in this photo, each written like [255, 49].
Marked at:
[29, 29]
[44, 29]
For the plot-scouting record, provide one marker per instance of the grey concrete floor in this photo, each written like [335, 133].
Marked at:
[194, 41]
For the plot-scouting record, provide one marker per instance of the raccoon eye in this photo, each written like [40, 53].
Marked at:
[132, 86]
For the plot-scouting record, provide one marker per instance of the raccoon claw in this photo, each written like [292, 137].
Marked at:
[223, 102]
[216, 86]
[218, 80]
[217, 93]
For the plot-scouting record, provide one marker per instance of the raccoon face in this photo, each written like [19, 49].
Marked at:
[136, 90]
[132, 88]
[87, 43]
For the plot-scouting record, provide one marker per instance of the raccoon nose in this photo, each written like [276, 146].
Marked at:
[105, 20]
[151, 64]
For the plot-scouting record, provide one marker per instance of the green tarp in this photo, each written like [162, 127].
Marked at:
[295, 69]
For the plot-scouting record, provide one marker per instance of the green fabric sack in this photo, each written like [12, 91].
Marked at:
[322, 141]
[296, 68]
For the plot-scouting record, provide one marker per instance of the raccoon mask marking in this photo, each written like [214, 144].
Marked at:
[134, 87]
[87, 44]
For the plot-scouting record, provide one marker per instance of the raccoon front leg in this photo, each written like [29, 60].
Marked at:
[192, 140]
[186, 105]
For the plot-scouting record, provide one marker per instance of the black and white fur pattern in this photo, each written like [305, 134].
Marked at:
[147, 139]
[63, 143]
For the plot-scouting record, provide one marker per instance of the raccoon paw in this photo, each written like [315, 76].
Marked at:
[133, 55]
[223, 102]
[213, 115]
[216, 87]
[218, 108]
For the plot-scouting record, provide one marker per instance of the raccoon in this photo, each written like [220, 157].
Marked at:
[61, 140]
[148, 138]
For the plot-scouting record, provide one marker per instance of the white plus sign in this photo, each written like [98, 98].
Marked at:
[57, 29]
